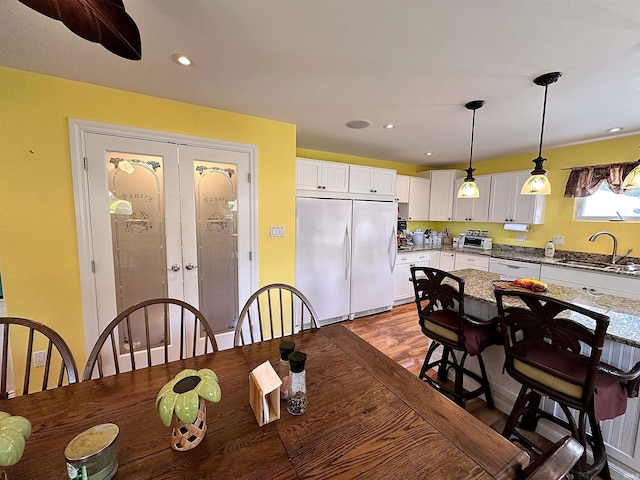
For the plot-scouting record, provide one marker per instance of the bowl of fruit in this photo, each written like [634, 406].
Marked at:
[531, 283]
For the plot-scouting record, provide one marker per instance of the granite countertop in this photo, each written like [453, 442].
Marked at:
[624, 313]
[536, 255]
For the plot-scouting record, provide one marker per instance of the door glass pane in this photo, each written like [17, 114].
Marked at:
[136, 201]
[217, 238]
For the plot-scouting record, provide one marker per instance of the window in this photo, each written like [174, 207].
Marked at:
[604, 205]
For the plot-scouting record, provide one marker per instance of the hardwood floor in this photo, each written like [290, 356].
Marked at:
[398, 335]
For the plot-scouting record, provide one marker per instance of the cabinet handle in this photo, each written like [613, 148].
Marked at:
[323, 187]
[319, 186]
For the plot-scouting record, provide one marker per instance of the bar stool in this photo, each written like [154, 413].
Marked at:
[439, 296]
[558, 357]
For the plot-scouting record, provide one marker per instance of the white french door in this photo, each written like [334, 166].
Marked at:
[163, 219]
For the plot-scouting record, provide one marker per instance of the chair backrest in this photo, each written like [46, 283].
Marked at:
[555, 463]
[274, 311]
[29, 336]
[552, 332]
[134, 326]
[436, 291]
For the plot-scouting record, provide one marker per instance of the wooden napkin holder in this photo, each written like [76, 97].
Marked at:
[264, 393]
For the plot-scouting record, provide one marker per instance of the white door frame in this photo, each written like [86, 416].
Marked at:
[77, 130]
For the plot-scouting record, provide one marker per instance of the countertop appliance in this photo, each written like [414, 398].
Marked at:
[475, 241]
[345, 256]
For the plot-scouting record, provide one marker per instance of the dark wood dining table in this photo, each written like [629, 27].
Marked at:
[367, 417]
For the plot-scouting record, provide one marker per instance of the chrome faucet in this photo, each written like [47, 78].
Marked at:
[614, 254]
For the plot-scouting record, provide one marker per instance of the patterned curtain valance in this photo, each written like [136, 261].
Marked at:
[584, 181]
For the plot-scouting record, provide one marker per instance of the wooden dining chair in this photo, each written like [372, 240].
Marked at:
[439, 297]
[274, 311]
[555, 463]
[553, 350]
[25, 337]
[130, 343]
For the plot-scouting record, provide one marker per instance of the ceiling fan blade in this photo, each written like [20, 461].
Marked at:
[101, 21]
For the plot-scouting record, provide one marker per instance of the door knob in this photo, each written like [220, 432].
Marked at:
[175, 267]
[190, 266]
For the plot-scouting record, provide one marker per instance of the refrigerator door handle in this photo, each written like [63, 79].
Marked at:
[347, 253]
[393, 247]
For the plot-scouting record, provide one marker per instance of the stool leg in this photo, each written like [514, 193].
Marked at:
[485, 383]
[530, 416]
[444, 361]
[425, 365]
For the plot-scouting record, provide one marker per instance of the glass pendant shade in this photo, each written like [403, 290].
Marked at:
[469, 189]
[632, 180]
[538, 183]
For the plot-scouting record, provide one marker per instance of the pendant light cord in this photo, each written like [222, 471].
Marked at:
[473, 127]
[544, 111]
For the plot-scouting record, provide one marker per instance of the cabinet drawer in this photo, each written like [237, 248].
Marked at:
[465, 260]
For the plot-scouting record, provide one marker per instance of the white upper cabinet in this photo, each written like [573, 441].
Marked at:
[322, 176]
[442, 194]
[419, 192]
[372, 181]
[507, 205]
[402, 188]
[472, 209]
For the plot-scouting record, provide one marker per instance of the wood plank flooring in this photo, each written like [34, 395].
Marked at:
[398, 335]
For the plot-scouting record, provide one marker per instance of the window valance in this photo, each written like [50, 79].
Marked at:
[584, 181]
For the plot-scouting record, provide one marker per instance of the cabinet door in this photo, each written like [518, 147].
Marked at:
[447, 261]
[384, 181]
[335, 177]
[462, 207]
[360, 179]
[477, 262]
[480, 205]
[308, 174]
[402, 189]
[441, 196]
[500, 204]
[526, 208]
[419, 191]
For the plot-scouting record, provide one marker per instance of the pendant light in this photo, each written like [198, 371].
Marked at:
[469, 188]
[538, 183]
[632, 180]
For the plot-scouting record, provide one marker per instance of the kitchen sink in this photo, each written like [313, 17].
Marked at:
[629, 267]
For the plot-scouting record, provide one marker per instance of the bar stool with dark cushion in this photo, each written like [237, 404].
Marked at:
[439, 296]
[553, 350]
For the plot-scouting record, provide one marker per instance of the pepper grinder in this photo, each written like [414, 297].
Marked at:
[286, 348]
[297, 402]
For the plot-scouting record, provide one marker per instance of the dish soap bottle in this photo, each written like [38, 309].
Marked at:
[550, 249]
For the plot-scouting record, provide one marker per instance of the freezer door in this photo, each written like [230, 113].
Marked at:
[323, 255]
[374, 251]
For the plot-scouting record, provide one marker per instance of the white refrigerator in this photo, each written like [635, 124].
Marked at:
[345, 256]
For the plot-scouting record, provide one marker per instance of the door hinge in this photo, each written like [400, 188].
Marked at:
[249, 177]
[250, 256]
[86, 163]
[93, 266]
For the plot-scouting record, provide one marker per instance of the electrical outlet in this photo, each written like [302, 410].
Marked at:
[521, 237]
[39, 358]
[558, 240]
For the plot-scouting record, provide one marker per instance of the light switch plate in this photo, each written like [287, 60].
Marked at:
[521, 237]
[557, 240]
[277, 231]
[39, 358]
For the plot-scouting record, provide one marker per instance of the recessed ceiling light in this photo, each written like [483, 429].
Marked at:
[428, 154]
[182, 59]
[615, 129]
[358, 124]
[388, 125]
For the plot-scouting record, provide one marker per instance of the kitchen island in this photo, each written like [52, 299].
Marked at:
[621, 349]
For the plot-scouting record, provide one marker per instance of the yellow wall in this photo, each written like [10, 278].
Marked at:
[38, 246]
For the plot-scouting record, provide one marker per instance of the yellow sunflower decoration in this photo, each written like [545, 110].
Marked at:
[182, 394]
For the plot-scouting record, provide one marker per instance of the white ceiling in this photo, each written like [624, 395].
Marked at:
[413, 63]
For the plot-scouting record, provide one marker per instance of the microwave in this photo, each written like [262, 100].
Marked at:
[472, 241]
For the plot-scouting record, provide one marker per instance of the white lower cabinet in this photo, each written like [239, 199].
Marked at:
[592, 282]
[404, 262]
[467, 260]
[447, 261]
